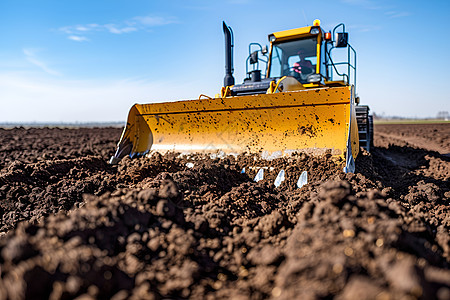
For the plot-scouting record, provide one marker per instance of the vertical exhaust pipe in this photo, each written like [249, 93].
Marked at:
[229, 44]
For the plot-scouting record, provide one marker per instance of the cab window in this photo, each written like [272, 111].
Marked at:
[294, 58]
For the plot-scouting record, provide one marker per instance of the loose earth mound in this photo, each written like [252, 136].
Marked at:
[195, 227]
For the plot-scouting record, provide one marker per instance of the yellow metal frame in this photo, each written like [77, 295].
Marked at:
[319, 52]
[291, 34]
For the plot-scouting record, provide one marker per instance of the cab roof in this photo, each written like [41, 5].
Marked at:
[292, 34]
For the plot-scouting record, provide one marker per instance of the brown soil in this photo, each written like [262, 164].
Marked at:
[157, 227]
[433, 137]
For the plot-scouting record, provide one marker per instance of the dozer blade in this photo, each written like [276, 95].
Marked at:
[313, 121]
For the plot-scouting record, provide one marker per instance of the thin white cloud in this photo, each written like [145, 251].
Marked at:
[81, 29]
[78, 32]
[117, 30]
[30, 55]
[77, 38]
[398, 14]
[152, 21]
[85, 28]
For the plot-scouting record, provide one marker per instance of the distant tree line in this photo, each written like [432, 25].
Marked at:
[441, 115]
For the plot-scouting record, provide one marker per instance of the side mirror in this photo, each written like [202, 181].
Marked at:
[342, 39]
[265, 50]
[254, 57]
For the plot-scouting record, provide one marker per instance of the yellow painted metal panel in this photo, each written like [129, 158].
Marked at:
[314, 120]
[292, 33]
[319, 53]
[354, 135]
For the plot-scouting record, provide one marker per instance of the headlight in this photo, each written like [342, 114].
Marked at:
[314, 78]
[314, 30]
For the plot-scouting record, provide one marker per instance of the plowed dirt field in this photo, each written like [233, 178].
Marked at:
[72, 226]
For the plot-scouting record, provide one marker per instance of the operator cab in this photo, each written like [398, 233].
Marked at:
[296, 58]
[300, 58]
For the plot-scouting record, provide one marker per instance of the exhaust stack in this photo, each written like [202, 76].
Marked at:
[229, 79]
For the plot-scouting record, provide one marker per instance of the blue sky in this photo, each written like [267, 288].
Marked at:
[67, 61]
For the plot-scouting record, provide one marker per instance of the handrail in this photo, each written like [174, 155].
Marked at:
[259, 58]
[336, 27]
[334, 67]
[205, 96]
[351, 63]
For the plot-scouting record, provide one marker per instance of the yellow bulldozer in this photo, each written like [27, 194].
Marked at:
[296, 97]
